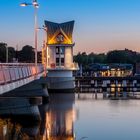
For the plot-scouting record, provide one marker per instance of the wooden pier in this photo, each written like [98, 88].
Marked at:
[112, 86]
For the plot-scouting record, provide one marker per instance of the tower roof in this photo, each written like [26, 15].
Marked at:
[54, 28]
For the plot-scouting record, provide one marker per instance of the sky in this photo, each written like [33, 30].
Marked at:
[100, 25]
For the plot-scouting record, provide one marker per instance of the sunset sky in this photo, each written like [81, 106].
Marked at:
[100, 25]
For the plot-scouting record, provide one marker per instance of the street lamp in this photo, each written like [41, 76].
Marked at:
[36, 6]
[6, 54]
[45, 45]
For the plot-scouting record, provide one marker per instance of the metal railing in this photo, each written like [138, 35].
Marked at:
[11, 72]
[71, 66]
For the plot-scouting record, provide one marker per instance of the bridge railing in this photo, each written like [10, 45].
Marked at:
[18, 71]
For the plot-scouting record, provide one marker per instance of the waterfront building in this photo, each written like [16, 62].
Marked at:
[121, 70]
[111, 70]
[58, 50]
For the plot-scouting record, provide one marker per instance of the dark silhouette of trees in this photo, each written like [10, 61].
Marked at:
[81, 58]
[11, 54]
[122, 56]
[26, 55]
[3, 52]
[85, 59]
[115, 56]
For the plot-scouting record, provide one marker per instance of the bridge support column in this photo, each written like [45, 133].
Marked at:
[96, 85]
[134, 85]
[124, 85]
[104, 89]
[104, 95]
[124, 95]
[116, 89]
[96, 95]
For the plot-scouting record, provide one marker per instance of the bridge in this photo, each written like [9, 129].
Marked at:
[15, 75]
[22, 90]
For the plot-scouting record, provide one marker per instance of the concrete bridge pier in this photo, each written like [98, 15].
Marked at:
[33, 89]
[96, 85]
[104, 89]
[116, 89]
[104, 95]
[26, 99]
[124, 84]
[20, 108]
[96, 95]
[124, 95]
[116, 94]
[134, 85]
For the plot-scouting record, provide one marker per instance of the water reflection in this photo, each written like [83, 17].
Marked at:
[60, 117]
[10, 130]
[57, 122]
[96, 119]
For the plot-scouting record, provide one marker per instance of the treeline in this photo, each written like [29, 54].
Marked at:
[26, 54]
[115, 56]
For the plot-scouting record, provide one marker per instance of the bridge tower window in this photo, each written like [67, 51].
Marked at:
[60, 56]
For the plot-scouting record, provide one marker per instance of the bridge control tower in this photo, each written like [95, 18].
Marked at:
[58, 50]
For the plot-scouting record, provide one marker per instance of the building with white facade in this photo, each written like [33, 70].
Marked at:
[58, 56]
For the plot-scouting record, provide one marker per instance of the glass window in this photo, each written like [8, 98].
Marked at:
[62, 50]
[57, 50]
[57, 61]
[62, 61]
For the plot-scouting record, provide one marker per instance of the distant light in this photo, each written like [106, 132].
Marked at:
[23, 4]
[112, 69]
[35, 2]
[36, 5]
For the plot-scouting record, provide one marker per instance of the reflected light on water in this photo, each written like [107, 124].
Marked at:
[60, 118]
[57, 122]
[78, 117]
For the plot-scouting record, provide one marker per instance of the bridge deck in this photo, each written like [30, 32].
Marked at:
[13, 76]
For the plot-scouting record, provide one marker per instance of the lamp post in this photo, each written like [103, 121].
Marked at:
[45, 43]
[36, 6]
[6, 54]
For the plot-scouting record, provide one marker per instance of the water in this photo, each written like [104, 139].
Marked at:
[108, 119]
[78, 117]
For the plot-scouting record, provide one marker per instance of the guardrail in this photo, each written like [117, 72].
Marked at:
[11, 72]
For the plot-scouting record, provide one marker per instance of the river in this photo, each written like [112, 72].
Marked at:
[78, 117]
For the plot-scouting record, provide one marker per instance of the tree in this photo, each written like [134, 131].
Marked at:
[3, 52]
[11, 54]
[117, 56]
[26, 54]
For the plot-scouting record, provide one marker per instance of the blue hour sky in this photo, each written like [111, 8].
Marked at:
[100, 25]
